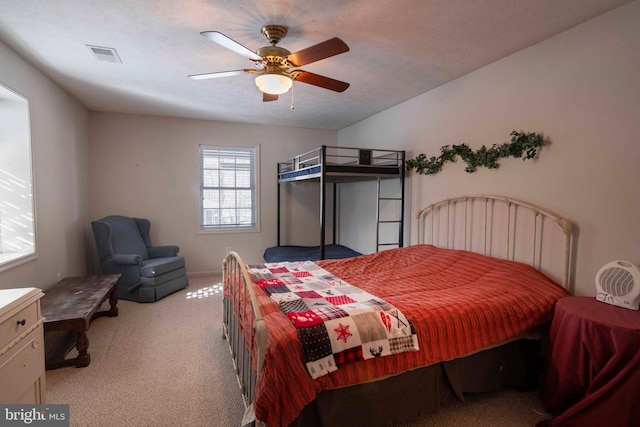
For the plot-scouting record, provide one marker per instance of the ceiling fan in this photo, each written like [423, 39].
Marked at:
[275, 67]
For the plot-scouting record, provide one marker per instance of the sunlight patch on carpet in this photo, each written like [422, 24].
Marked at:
[205, 292]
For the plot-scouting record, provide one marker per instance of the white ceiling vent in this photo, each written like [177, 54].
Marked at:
[107, 54]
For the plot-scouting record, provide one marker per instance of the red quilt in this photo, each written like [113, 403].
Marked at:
[459, 303]
[337, 323]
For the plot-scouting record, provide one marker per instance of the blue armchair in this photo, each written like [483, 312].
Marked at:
[148, 272]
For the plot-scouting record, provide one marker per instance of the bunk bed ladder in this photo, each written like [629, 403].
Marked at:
[399, 220]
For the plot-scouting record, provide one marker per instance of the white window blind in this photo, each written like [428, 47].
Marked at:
[228, 188]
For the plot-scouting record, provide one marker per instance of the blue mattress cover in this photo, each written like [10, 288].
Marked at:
[307, 253]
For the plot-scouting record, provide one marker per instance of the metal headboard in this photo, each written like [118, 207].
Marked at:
[501, 227]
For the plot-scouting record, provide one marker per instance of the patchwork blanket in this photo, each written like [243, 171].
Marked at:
[337, 323]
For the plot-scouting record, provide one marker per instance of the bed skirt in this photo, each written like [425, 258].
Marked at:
[423, 391]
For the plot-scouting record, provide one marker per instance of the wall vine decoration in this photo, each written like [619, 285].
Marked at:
[523, 145]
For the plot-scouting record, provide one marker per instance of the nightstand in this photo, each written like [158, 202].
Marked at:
[22, 373]
[592, 369]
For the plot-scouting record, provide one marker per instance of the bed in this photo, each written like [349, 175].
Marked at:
[329, 165]
[479, 313]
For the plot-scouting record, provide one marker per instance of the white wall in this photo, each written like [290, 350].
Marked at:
[60, 155]
[146, 166]
[581, 89]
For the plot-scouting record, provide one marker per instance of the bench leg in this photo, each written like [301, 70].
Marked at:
[82, 345]
[113, 307]
[113, 303]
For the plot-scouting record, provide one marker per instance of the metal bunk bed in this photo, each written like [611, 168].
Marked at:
[335, 165]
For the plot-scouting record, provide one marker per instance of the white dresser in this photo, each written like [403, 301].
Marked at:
[22, 373]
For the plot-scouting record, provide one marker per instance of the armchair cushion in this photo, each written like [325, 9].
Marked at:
[148, 272]
[157, 266]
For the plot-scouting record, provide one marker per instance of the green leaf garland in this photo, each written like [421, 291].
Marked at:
[523, 145]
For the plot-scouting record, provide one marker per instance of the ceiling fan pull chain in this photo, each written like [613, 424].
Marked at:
[293, 107]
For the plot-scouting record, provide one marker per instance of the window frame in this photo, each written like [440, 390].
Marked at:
[229, 228]
[9, 94]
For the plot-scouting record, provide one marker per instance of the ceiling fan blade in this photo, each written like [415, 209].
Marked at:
[317, 52]
[267, 97]
[218, 74]
[321, 81]
[231, 44]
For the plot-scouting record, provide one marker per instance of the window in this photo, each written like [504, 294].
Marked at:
[228, 188]
[17, 224]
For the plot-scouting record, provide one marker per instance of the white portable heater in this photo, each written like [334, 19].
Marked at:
[618, 283]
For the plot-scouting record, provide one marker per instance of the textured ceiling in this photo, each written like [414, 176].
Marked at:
[398, 50]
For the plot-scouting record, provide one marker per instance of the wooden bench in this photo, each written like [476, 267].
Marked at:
[70, 306]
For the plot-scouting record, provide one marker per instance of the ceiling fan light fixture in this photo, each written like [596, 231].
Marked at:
[274, 84]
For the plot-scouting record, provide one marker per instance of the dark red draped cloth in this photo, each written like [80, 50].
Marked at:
[592, 375]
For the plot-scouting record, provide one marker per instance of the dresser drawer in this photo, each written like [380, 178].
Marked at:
[22, 366]
[13, 327]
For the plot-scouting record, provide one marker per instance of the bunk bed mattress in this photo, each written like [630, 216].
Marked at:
[459, 303]
[307, 253]
[316, 171]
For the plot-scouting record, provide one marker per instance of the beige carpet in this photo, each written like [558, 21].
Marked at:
[165, 364]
